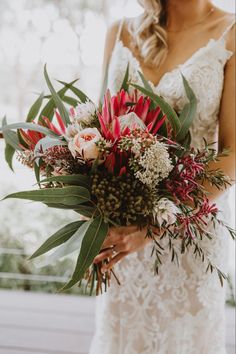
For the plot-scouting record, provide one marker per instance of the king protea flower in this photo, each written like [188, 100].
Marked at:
[119, 107]
[30, 138]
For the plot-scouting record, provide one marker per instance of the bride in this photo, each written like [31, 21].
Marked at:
[180, 310]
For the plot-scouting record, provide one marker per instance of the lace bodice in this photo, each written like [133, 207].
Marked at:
[180, 311]
[201, 71]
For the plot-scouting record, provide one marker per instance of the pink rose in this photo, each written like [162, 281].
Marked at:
[84, 143]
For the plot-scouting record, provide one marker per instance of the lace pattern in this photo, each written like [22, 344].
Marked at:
[180, 311]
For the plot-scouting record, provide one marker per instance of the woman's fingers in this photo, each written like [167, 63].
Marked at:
[111, 240]
[113, 261]
[107, 252]
[116, 235]
[104, 254]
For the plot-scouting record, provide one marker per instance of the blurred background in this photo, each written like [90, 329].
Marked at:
[69, 36]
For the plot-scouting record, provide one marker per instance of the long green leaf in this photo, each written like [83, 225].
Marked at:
[57, 100]
[72, 245]
[145, 82]
[67, 99]
[62, 206]
[78, 180]
[67, 195]
[48, 110]
[37, 171]
[9, 153]
[188, 113]
[58, 238]
[34, 110]
[91, 246]
[30, 126]
[70, 100]
[125, 83]
[10, 137]
[80, 94]
[165, 107]
[84, 210]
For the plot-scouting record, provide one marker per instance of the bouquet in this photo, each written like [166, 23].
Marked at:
[125, 162]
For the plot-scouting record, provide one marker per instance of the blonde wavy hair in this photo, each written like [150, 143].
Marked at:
[149, 34]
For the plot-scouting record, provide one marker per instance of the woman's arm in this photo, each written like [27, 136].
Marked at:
[226, 123]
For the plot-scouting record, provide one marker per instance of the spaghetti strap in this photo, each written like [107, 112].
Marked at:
[228, 28]
[121, 25]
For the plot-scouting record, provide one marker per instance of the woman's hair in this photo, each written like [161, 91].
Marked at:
[149, 34]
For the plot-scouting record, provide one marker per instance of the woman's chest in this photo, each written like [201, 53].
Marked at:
[204, 71]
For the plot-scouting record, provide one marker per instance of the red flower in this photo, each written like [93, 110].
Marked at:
[183, 180]
[30, 138]
[123, 104]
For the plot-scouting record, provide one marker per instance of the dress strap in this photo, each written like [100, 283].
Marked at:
[228, 28]
[121, 25]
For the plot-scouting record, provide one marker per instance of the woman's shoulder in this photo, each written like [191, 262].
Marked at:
[222, 20]
[222, 24]
[122, 29]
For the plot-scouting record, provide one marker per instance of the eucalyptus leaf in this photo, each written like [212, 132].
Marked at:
[68, 195]
[79, 180]
[62, 206]
[90, 247]
[9, 153]
[146, 83]
[10, 137]
[188, 113]
[58, 238]
[48, 110]
[70, 100]
[74, 244]
[125, 83]
[87, 211]
[81, 95]
[29, 126]
[34, 110]
[57, 100]
[37, 171]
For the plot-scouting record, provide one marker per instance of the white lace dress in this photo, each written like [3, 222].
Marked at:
[180, 311]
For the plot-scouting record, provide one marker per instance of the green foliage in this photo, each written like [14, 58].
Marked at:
[78, 180]
[48, 109]
[9, 153]
[6, 129]
[34, 110]
[125, 83]
[57, 100]
[188, 113]
[72, 195]
[58, 238]
[78, 93]
[91, 245]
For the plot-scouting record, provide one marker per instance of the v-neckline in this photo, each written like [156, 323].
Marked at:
[195, 54]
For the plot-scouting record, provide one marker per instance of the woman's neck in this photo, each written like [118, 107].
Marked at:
[184, 13]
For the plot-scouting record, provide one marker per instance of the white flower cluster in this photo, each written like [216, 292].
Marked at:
[136, 147]
[155, 165]
[165, 212]
[84, 112]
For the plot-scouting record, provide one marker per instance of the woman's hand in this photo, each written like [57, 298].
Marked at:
[120, 242]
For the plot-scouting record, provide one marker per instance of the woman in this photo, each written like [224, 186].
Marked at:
[180, 311]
